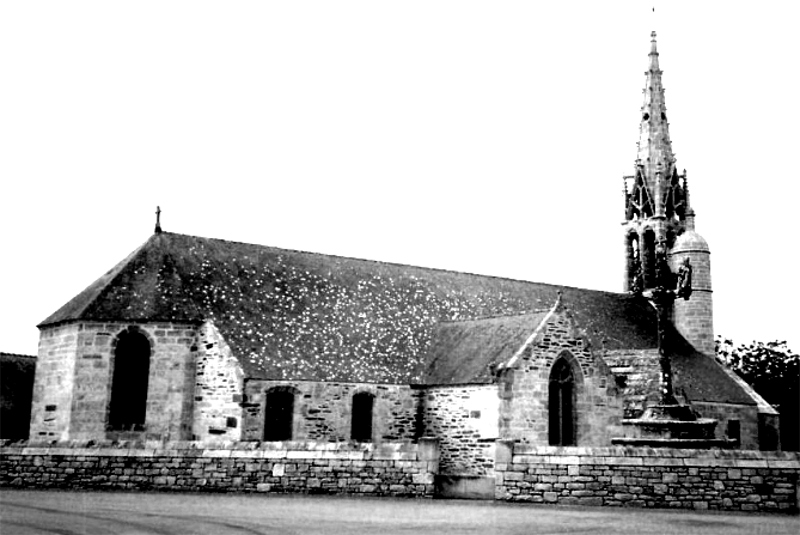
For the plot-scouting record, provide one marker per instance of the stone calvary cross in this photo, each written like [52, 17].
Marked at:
[662, 297]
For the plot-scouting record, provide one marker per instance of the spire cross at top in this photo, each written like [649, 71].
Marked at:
[158, 220]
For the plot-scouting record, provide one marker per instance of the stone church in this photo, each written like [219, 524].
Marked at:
[192, 338]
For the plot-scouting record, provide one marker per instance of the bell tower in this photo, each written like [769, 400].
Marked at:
[658, 214]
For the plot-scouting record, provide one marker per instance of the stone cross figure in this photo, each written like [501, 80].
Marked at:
[663, 296]
[684, 279]
[637, 287]
[664, 277]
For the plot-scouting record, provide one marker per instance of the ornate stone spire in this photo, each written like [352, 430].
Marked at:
[657, 206]
[655, 147]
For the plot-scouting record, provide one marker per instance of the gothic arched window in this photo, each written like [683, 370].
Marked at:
[361, 417]
[279, 414]
[633, 260]
[561, 397]
[128, 404]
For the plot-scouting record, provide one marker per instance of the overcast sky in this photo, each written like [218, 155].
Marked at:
[489, 137]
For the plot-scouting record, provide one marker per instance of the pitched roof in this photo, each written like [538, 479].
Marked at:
[701, 377]
[465, 351]
[297, 315]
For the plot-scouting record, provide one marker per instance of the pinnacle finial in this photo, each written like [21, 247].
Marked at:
[158, 220]
[653, 52]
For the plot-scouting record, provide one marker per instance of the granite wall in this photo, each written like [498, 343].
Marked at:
[524, 407]
[323, 411]
[72, 387]
[389, 469]
[465, 420]
[642, 477]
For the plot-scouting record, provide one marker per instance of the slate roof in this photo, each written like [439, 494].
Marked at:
[701, 377]
[306, 316]
[465, 351]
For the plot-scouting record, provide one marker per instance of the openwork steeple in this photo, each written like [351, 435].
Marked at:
[659, 222]
[656, 198]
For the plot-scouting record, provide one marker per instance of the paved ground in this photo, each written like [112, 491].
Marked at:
[102, 513]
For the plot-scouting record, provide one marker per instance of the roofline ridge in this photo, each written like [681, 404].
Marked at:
[7, 354]
[494, 316]
[196, 321]
[397, 264]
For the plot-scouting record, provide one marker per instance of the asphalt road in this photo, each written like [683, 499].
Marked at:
[103, 513]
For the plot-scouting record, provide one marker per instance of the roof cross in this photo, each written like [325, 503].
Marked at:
[158, 220]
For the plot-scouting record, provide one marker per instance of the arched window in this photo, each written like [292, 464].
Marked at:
[633, 261]
[361, 417]
[561, 395]
[279, 414]
[128, 405]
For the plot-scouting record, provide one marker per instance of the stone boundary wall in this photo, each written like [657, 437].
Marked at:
[389, 469]
[643, 477]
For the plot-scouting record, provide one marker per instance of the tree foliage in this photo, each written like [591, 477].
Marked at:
[773, 370]
[769, 367]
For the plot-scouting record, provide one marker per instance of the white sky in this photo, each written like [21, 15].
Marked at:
[487, 137]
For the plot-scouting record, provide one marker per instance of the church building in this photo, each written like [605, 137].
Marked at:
[199, 339]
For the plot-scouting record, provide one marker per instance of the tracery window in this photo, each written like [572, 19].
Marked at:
[561, 397]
